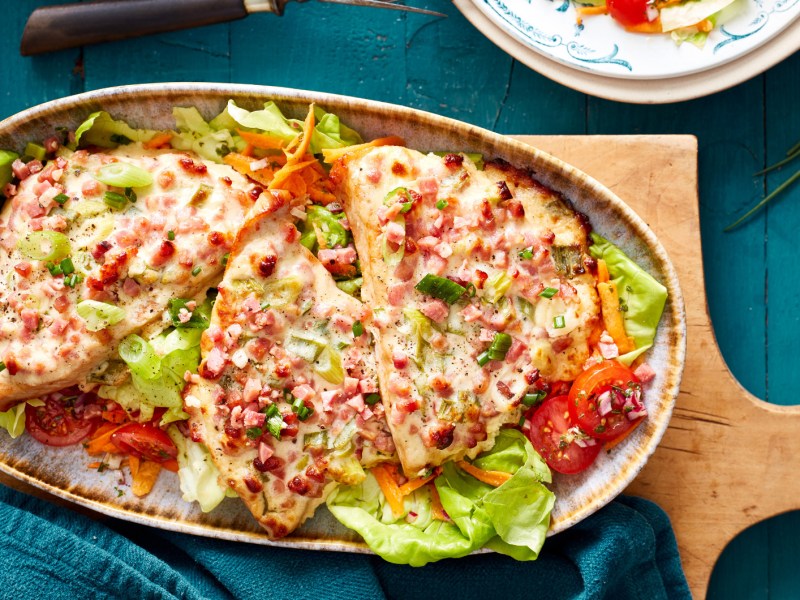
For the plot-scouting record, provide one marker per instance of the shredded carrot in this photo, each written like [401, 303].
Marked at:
[247, 150]
[145, 478]
[612, 316]
[646, 27]
[611, 443]
[289, 168]
[602, 271]
[437, 510]
[170, 465]
[495, 478]
[101, 442]
[134, 463]
[588, 11]
[415, 484]
[93, 465]
[158, 141]
[390, 489]
[705, 26]
[241, 163]
[261, 140]
[332, 154]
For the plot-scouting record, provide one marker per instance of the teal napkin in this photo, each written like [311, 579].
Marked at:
[627, 550]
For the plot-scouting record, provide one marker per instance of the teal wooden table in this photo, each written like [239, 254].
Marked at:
[448, 67]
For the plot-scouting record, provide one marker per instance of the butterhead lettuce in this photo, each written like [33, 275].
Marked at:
[643, 296]
[512, 518]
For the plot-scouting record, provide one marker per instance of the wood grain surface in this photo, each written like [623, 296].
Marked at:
[446, 66]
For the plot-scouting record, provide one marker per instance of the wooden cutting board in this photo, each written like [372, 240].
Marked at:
[727, 458]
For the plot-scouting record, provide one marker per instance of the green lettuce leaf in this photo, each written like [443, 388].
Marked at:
[212, 142]
[7, 158]
[328, 131]
[198, 475]
[638, 290]
[99, 129]
[512, 518]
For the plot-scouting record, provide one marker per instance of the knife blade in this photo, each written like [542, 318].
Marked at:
[52, 28]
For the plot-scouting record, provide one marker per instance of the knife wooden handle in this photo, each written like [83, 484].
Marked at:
[53, 28]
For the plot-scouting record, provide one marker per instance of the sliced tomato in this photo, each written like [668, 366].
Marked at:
[145, 441]
[628, 12]
[63, 420]
[606, 400]
[555, 437]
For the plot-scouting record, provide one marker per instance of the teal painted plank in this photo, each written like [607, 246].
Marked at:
[26, 81]
[783, 219]
[743, 571]
[730, 131]
[193, 55]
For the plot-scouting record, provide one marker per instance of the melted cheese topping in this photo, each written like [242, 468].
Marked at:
[167, 243]
[507, 239]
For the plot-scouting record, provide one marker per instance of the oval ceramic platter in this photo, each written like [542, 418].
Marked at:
[601, 46]
[64, 472]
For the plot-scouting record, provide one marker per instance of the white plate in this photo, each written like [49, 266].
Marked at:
[650, 90]
[599, 45]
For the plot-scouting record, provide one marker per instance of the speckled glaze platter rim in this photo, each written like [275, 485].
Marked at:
[62, 472]
[641, 91]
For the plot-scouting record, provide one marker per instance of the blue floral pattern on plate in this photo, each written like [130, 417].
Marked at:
[599, 45]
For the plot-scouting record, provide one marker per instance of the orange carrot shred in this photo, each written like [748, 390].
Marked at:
[133, 463]
[157, 141]
[602, 271]
[390, 489]
[437, 510]
[332, 154]
[415, 484]
[494, 478]
[145, 478]
[261, 141]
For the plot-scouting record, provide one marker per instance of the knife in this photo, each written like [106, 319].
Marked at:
[52, 28]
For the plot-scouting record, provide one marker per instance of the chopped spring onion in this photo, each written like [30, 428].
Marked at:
[372, 399]
[54, 269]
[302, 411]
[2, 366]
[559, 322]
[534, 398]
[306, 347]
[35, 151]
[440, 287]
[496, 286]
[358, 329]
[283, 292]
[548, 292]
[196, 271]
[526, 254]
[272, 410]
[225, 257]
[351, 286]
[140, 357]
[274, 426]
[115, 200]
[61, 199]
[329, 366]
[441, 204]
[7, 158]
[343, 439]
[170, 235]
[124, 175]
[483, 358]
[44, 245]
[391, 257]
[67, 268]
[99, 315]
[318, 439]
[399, 194]
[130, 194]
[500, 345]
[254, 433]
[72, 280]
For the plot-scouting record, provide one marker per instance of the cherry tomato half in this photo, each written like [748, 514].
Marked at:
[628, 12]
[609, 388]
[551, 436]
[63, 420]
[145, 441]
